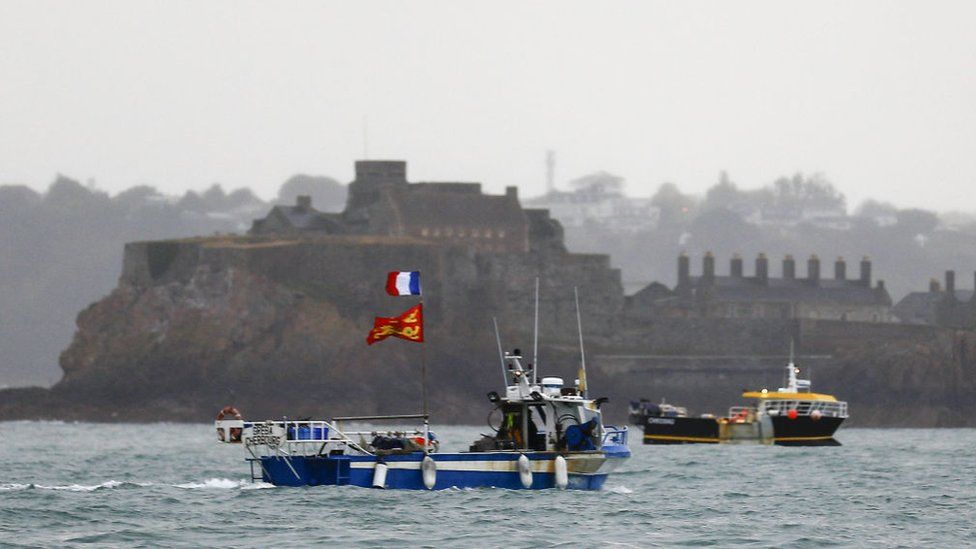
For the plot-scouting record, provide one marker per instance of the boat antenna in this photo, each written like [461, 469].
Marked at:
[501, 355]
[535, 338]
[579, 327]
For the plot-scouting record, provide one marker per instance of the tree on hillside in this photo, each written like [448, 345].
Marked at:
[801, 194]
[328, 195]
[721, 229]
[676, 208]
[916, 222]
[876, 209]
[723, 194]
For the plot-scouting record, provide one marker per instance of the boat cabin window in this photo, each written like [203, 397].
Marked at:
[520, 431]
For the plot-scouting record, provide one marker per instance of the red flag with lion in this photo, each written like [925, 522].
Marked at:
[409, 326]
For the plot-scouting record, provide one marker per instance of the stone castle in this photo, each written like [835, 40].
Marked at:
[382, 202]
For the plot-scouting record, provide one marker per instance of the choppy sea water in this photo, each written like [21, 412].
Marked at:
[76, 484]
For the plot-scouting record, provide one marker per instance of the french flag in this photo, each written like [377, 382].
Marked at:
[403, 283]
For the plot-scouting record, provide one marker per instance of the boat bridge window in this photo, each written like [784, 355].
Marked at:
[521, 432]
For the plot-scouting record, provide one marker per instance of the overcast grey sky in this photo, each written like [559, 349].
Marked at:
[880, 96]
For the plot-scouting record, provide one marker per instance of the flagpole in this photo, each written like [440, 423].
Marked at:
[423, 382]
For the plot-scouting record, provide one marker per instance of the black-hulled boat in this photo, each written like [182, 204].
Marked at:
[789, 416]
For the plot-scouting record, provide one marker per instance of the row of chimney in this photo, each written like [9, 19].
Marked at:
[762, 269]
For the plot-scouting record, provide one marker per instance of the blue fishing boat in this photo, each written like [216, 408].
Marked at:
[545, 435]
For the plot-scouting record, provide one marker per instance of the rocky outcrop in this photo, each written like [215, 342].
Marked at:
[278, 327]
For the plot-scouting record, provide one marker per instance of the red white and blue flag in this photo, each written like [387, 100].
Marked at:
[403, 283]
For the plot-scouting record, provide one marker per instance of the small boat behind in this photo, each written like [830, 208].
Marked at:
[789, 416]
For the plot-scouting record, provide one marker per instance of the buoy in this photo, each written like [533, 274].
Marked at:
[815, 415]
[379, 475]
[792, 414]
[562, 474]
[428, 469]
[525, 471]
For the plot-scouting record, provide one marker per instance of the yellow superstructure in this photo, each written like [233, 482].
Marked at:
[778, 395]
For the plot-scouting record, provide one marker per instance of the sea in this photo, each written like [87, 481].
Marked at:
[173, 485]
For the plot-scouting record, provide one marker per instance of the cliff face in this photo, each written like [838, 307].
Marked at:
[278, 328]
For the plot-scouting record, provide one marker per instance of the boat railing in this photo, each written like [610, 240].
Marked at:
[317, 437]
[823, 408]
[614, 435]
[741, 413]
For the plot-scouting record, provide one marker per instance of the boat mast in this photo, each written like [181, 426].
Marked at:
[535, 338]
[423, 383]
[579, 327]
[501, 354]
[791, 372]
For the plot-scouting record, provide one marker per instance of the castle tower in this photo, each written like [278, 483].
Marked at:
[372, 177]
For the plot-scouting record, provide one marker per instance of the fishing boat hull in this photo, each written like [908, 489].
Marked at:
[680, 430]
[799, 431]
[806, 431]
[586, 470]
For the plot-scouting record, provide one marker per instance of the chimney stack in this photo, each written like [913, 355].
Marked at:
[813, 270]
[735, 266]
[762, 269]
[934, 286]
[789, 267]
[708, 269]
[950, 284]
[684, 269]
[840, 269]
[866, 271]
[303, 202]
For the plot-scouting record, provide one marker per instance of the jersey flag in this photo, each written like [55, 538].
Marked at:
[409, 326]
[403, 283]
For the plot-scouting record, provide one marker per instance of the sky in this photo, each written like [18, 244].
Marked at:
[878, 96]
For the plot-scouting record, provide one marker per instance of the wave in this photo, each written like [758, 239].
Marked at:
[213, 483]
[618, 489]
[92, 487]
[224, 484]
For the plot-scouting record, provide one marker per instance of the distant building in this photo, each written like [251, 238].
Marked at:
[297, 219]
[762, 296]
[602, 207]
[824, 217]
[950, 307]
[382, 202]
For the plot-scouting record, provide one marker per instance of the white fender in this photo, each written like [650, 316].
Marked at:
[428, 468]
[525, 471]
[562, 473]
[379, 475]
